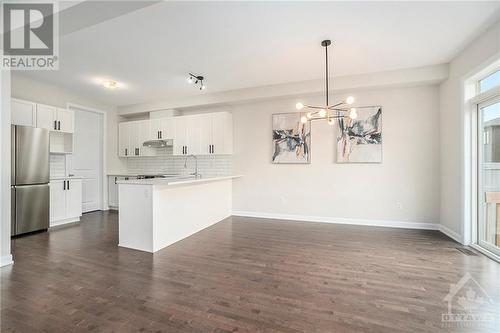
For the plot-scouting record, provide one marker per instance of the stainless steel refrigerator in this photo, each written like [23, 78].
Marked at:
[29, 179]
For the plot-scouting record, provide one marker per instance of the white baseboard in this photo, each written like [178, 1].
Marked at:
[450, 233]
[6, 260]
[324, 219]
[65, 221]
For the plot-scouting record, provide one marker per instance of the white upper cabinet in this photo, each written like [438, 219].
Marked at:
[46, 117]
[201, 134]
[123, 139]
[131, 136]
[161, 128]
[222, 133]
[23, 113]
[66, 120]
[55, 119]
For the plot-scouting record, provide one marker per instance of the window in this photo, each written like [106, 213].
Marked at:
[489, 82]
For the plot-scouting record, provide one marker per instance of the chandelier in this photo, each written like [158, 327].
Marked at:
[328, 112]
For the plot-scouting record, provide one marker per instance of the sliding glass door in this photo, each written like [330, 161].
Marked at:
[488, 228]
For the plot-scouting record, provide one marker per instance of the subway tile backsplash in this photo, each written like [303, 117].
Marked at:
[215, 165]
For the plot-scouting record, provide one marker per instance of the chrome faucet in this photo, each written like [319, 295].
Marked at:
[195, 174]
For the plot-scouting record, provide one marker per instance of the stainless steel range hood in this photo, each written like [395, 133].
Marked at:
[159, 143]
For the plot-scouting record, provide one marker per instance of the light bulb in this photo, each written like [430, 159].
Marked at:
[203, 87]
[309, 115]
[331, 121]
[299, 106]
[110, 84]
[190, 80]
[303, 119]
[322, 112]
[353, 114]
[349, 100]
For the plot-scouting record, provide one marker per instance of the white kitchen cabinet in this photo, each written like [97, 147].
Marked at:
[57, 200]
[222, 133]
[131, 136]
[55, 119]
[161, 128]
[74, 198]
[201, 134]
[46, 117]
[65, 201]
[23, 112]
[123, 139]
[66, 119]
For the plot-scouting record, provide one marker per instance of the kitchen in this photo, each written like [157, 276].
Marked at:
[250, 166]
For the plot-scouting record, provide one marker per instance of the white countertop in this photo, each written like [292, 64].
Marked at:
[176, 181]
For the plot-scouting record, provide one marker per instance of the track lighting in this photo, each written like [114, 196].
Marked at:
[196, 80]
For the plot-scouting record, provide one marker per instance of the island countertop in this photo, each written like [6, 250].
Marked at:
[181, 180]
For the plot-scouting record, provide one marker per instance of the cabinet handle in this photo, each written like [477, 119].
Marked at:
[137, 151]
[68, 184]
[161, 135]
[126, 151]
[58, 125]
[186, 150]
[157, 134]
[55, 124]
[64, 185]
[116, 178]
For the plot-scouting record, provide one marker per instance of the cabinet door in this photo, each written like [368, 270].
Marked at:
[193, 139]
[205, 128]
[46, 117]
[143, 132]
[222, 133]
[123, 140]
[180, 135]
[112, 191]
[133, 138]
[23, 113]
[167, 128]
[74, 198]
[57, 201]
[66, 119]
[155, 128]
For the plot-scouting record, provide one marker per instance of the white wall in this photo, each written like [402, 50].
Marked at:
[5, 255]
[327, 191]
[466, 63]
[46, 93]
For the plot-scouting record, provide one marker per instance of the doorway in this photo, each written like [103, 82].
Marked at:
[488, 181]
[86, 162]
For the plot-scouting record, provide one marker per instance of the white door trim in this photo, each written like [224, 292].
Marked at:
[104, 187]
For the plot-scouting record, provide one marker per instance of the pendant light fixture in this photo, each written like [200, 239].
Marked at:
[328, 112]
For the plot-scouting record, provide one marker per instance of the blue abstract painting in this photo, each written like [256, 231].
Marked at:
[291, 139]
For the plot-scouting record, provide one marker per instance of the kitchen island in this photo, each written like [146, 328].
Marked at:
[155, 213]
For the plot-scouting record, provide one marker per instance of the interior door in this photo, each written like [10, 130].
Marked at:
[488, 229]
[85, 162]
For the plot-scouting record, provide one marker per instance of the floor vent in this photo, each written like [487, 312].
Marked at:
[466, 251]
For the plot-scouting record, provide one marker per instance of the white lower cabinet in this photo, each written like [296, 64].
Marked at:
[65, 201]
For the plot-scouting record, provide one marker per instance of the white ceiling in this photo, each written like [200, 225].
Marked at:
[246, 44]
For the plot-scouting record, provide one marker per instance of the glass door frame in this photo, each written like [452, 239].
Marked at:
[479, 222]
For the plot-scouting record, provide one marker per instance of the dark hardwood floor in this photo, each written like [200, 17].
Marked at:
[240, 275]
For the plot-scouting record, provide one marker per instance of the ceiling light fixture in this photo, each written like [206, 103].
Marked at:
[110, 84]
[197, 80]
[328, 112]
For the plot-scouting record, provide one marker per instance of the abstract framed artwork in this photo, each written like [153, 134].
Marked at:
[360, 140]
[291, 139]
